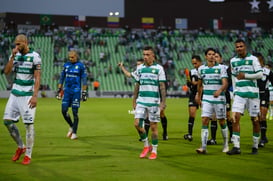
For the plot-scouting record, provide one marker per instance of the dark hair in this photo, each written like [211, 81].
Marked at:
[218, 53]
[258, 54]
[240, 41]
[209, 49]
[140, 60]
[197, 57]
[260, 57]
[151, 49]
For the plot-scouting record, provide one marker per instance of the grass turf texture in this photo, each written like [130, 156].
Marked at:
[108, 147]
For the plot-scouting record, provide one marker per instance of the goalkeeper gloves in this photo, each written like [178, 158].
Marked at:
[84, 95]
[59, 94]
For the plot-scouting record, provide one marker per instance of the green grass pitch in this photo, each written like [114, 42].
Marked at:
[108, 147]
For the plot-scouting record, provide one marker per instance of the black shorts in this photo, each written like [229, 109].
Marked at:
[192, 102]
[264, 99]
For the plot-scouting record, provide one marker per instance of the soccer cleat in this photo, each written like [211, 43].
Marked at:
[153, 156]
[201, 151]
[18, 153]
[74, 136]
[145, 151]
[211, 142]
[254, 151]
[263, 142]
[234, 151]
[225, 149]
[26, 160]
[188, 137]
[165, 136]
[69, 134]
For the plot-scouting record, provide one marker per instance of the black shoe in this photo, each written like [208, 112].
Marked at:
[234, 151]
[261, 145]
[254, 151]
[262, 142]
[165, 136]
[211, 142]
[188, 137]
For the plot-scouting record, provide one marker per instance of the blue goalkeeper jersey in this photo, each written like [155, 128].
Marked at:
[73, 76]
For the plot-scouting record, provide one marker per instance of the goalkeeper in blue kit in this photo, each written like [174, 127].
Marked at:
[72, 88]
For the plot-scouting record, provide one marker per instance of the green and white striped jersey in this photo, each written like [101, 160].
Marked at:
[149, 78]
[212, 81]
[24, 66]
[250, 64]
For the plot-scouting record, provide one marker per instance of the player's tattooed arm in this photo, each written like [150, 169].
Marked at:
[136, 91]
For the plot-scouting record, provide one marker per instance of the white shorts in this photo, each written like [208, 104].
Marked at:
[18, 106]
[209, 109]
[252, 105]
[153, 113]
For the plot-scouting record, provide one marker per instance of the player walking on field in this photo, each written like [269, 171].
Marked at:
[192, 81]
[22, 101]
[73, 78]
[163, 117]
[211, 86]
[245, 70]
[150, 98]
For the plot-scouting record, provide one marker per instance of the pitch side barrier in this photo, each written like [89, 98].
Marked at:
[101, 94]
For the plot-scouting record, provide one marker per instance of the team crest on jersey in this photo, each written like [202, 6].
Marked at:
[153, 71]
[216, 71]
[76, 67]
[28, 59]
[247, 62]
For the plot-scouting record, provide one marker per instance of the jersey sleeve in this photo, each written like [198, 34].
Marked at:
[256, 64]
[62, 75]
[162, 75]
[37, 61]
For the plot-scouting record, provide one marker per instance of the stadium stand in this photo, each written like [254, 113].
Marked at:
[174, 51]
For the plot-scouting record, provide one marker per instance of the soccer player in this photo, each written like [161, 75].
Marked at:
[73, 77]
[263, 85]
[213, 127]
[22, 101]
[150, 98]
[130, 74]
[163, 118]
[212, 84]
[245, 69]
[192, 81]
